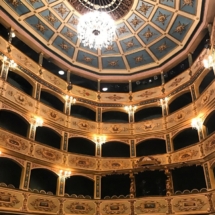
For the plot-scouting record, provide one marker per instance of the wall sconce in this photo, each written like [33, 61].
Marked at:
[38, 121]
[130, 109]
[5, 58]
[197, 123]
[12, 64]
[70, 99]
[64, 174]
[163, 102]
[0, 152]
[100, 139]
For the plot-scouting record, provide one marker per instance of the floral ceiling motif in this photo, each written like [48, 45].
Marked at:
[147, 32]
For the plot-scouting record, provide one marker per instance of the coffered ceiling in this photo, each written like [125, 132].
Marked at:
[148, 32]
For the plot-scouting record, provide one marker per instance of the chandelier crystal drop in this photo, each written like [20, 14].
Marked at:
[96, 29]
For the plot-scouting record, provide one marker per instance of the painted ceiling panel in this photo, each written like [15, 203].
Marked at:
[162, 47]
[129, 44]
[40, 28]
[19, 8]
[87, 59]
[139, 58]
[113, 63]
[149, 34]
[50, 18]
[111, 49]
[162, 18]
[63, 46]
[151, 29]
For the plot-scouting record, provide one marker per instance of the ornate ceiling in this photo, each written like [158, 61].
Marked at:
[148, 32]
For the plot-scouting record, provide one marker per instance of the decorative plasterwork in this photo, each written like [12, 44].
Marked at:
[150, 207]
[43, 205]
[8, 200]
[79, 208]
[115, 208]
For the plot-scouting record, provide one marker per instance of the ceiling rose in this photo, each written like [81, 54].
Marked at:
[96, 29]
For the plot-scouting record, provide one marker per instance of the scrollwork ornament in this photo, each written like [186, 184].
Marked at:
[192, 204]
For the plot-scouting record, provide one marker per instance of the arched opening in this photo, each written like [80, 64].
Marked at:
[43, 179]
[180, 102]
[150, 183]
[79, 185]
[115, 149]
[19, 82]
[10, 172]
[209, 123]
[83, 112]
[188, 178]
[51, 101]
[115, 116]
[13, 122]
[81, 146]
[48, 136]
[115, 185]
[185, 138]
[151, 147]
[206, 81]
[148, 113]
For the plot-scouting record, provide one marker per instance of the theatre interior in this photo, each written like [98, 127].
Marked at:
[107, 107]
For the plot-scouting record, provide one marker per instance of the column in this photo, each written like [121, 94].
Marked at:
[164, 105]
[132, 148]
[5, 68]
[97, 187]
[25, 176]
[132, 186]
[169, 145]
[169, 182]
[208, 176]
[60, 191]
[64, 145]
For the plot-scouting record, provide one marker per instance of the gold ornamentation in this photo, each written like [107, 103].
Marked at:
[150, 207]
[146, 94]
[180, 28]
[16, 144]
[34, 1]
[8, 200]
[79, 208]
[115, 164]
[206, 97]
[83, 92]
[187, 3]
[61, 10]
[74, 21]
[115, 129]
[162, 47]
[148, 126]
[148, 34]
[192, 204]
[20, 98]
[146, 160]
[110, 48]
[176, 82]
[210, 145]
[51, 18]
[88, 59]
[49, 154]
[115, 208]
[15, 3]
[114, 97]
[122, 30]
[144, 8]
[69, 34]
[113, 63]
[129, 44]
[135, 21]
[138, 59]
[25, 60]
[43, 205]
[65, 46]
[40, 27]
[186, 155]
[83, 125]
[179, 116]
[82, 162]
[162, 17]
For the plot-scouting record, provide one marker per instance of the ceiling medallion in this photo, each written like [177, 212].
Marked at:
[96, 29]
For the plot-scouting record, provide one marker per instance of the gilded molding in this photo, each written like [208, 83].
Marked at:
[8, 200]
[114, 208]
[43, 205]
[79, 208]
[150, 207]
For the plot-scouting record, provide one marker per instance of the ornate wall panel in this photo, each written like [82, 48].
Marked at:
[3, 45]
[147, 94]
[20, 98]
[151, 206]
[115, 164]
[114, 97]
[84, 93]
[209, 145]
[149, 125]
[116, 207]
[190, 203]
[180, 116]
[115, 128]
[82, 162]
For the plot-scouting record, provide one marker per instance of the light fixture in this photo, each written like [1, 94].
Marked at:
[130, 109]
[164, 102]
[65, 174]
[104, 89]
[209, 62]
[12, 64]
[61, 72]
[13, 34]
[96, 29]
[100, 139]
[38, 121]
[70, 99]
[197, 123]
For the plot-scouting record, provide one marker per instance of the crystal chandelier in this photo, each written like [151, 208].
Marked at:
[96, 29]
